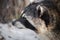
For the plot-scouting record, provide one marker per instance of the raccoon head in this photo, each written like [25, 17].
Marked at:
[41, 17]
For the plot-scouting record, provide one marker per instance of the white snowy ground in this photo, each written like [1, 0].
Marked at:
[17, 32]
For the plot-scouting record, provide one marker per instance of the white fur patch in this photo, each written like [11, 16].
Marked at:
[31, 1]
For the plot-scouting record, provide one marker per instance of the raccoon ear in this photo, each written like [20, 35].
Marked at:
[40, 10]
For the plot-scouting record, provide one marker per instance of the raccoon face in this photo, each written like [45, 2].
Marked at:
[39, 16]
[35, 14]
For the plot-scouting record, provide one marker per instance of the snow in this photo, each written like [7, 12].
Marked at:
[10, 32]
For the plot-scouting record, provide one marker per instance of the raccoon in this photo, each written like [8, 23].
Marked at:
[44, 18]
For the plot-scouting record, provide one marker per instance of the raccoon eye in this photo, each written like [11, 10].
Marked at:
[40, 10]
[43, 14]
[46, 17]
